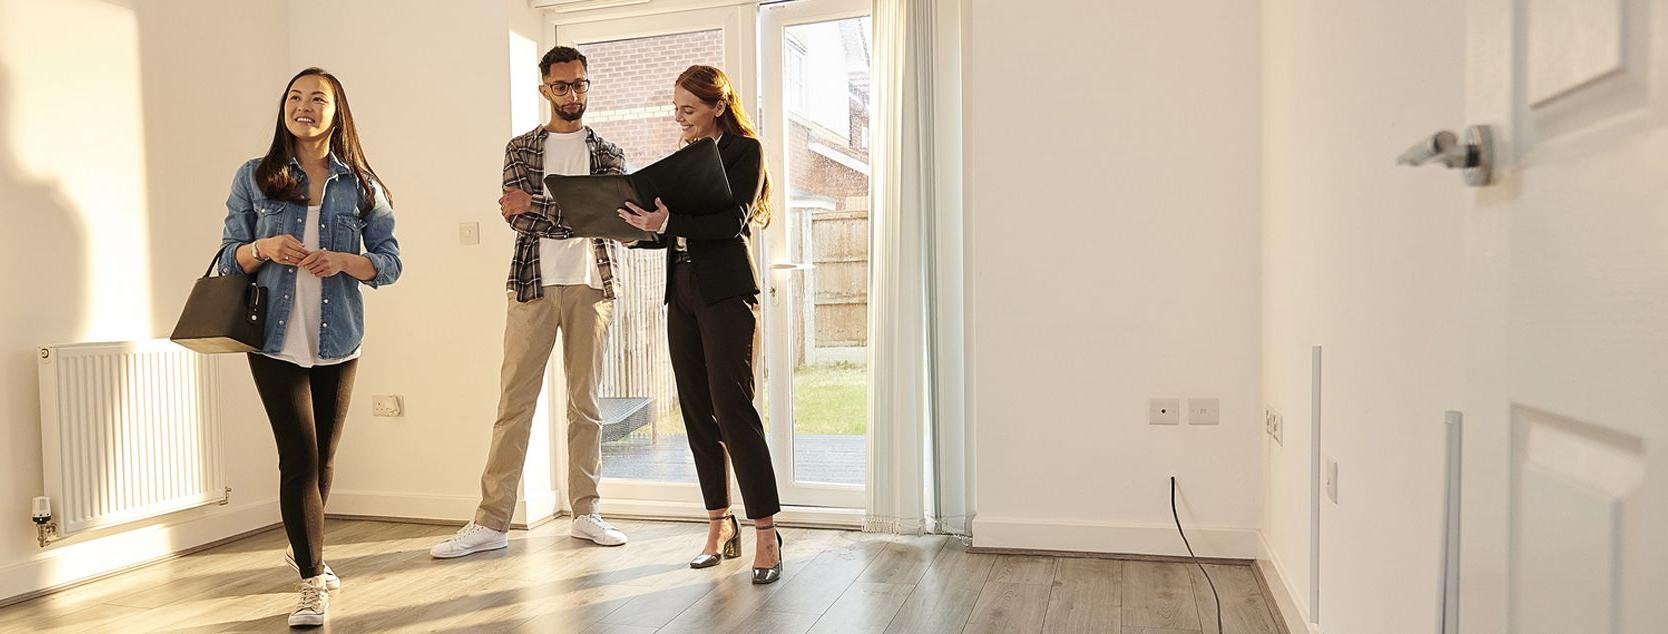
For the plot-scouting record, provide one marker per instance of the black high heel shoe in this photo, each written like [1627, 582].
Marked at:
[772, 574]
[730, 550]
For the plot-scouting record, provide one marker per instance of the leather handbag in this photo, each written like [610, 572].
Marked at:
[225, 313]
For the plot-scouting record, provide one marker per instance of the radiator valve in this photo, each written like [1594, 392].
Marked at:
[46, 531]
[43, 510]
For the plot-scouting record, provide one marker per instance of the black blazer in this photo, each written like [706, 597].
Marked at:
[718, 238]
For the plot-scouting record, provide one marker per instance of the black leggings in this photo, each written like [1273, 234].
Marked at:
[306, 407]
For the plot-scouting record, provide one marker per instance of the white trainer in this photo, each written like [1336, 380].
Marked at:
[472, 538]
[598, 530]
[315, 604]
[331, 581]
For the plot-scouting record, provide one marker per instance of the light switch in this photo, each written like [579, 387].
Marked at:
[469, 233]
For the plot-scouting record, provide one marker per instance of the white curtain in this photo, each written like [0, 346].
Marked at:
[920, 446]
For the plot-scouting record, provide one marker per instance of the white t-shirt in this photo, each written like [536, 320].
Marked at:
[301, 326]
[571, 261]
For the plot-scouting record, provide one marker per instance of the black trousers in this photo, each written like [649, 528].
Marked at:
[306, 407]
[712, 360]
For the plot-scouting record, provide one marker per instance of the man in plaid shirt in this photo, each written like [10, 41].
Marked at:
[558, 284]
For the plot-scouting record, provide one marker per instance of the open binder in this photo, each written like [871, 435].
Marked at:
[690, 182]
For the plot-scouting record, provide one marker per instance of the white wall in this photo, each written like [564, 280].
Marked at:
[1114, 196]
[1362, 258]
[120, 126]
[430, 86]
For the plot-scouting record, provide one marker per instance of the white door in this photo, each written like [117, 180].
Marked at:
[1566, 441]
[815, 118]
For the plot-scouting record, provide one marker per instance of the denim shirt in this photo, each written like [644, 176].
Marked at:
[250, 216]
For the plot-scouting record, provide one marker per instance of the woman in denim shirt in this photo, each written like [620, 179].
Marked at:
[310, 222]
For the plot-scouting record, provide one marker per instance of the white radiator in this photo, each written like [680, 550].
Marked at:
[129, 431]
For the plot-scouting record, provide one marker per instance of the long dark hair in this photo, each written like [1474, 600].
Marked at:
[711, 85]
[274, 176]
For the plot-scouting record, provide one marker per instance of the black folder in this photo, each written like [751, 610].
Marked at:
[690, 182]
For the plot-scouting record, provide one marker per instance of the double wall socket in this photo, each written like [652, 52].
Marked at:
[387, 405]
[1273, 425]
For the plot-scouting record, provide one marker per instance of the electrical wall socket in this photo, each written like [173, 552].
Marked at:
[387, 405]
[469, 233]
[1204, 411]
[1273, 425]
[1164, 411]
[1332, 479]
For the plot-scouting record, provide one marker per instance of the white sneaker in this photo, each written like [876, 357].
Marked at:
[315, 604]
[331, 581]
[598, 530]
[472, 538]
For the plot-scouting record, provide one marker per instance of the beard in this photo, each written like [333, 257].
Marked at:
[574, 115]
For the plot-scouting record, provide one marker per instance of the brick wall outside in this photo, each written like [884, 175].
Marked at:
[631, 89]
[630, 105]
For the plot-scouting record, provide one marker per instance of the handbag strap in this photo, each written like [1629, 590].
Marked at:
[213, 262]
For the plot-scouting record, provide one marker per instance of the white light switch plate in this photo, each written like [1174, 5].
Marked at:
[469, 233]
[1164, 411]
[1204, 411]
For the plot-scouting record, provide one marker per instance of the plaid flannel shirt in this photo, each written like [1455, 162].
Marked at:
[524, 170]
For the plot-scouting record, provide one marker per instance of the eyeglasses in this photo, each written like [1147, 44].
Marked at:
[561, 87]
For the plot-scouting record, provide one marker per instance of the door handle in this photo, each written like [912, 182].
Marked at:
[1473, 153]
[787, 266]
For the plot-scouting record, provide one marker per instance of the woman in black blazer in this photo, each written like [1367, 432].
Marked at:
[712, 295]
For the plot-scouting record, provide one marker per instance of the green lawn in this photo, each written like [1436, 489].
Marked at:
[828, 399]
[831, 399]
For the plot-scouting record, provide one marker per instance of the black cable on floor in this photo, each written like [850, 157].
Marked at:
[1201, 566]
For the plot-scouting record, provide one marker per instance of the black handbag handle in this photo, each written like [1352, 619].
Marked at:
[216, 261]
[256, 297]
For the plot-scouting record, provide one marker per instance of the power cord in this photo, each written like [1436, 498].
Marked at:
[1201, 566]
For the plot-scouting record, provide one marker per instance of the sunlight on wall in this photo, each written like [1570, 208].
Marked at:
[525, 108]
[75, 119]
[539, 477]
[115, 551]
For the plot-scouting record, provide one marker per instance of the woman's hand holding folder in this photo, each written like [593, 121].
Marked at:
[645, 219]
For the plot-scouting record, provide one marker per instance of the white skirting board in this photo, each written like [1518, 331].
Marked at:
[800, 516]
[535, 508]
[543, 506]
[1036, 534]
[94, 554]
[1293, 613]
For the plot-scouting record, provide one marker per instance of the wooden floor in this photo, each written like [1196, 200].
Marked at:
[836, 581]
